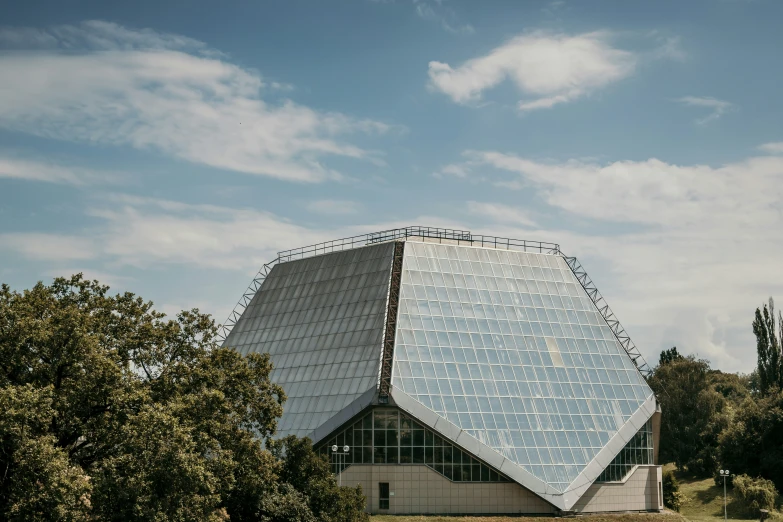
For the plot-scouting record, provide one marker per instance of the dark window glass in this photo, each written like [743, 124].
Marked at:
[383, 495]
[388, 437]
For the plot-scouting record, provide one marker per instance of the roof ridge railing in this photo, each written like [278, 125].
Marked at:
[446, 234]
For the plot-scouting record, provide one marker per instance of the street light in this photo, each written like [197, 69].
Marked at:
[724, 473]
[346, 448]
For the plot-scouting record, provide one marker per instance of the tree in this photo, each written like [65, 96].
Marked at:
[768, 347]
[110, 411]
[692, 414]
[670, 355]
[753, 443]
[309, 472]
[672, 498]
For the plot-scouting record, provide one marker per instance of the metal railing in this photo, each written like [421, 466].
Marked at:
[608, 315]
[451, 236]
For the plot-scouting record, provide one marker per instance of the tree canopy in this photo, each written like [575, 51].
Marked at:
[111, 411]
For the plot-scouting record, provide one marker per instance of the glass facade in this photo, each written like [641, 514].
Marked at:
[638, 451]
[388, 436]
[508, 346]
[322, 320]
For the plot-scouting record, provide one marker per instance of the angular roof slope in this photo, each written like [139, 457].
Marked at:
[509, 348]
[321, 319]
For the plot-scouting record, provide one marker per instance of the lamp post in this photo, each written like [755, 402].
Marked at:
[340, 454]
[725, 474]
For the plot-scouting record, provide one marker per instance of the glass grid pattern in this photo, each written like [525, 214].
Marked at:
[638, 451]
[322, 320]
[388, 436]
[508, 346]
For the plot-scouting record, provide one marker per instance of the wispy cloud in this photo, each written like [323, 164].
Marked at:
[773, 147]
[168, 93]
[717, 107]
[34, 170]
[501, 213]
[49, 247]
[334, 207]
[553, 68]
[436, 11]
[685, 227]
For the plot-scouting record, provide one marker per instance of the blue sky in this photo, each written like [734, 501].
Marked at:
[172, 148]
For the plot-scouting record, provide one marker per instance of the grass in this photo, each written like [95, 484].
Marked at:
[704, 500]
[629, 517]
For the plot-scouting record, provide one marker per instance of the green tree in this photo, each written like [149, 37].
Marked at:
[692, 414]
[672, 498]
[670, 355]
[768, 347]
[110, 411]
[309, 473]
[753, 443]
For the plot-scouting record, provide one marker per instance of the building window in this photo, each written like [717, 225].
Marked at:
[638, 451]
[388, 436]
[383, 495]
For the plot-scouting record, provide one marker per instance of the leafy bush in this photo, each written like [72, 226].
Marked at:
[672, 498]
[110, 412]
[755, 493]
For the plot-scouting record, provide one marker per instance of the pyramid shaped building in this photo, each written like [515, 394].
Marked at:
[466, 374]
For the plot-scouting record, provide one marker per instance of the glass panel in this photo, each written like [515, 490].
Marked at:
[526, 350]
[638, 451]
[407, 442]
[321, 320]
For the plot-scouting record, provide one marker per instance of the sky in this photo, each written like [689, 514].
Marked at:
[171, 148]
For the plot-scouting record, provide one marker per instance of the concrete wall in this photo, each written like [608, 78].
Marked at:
[420, 490]
[640, 492]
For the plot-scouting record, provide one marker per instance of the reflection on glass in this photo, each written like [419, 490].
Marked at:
[404, 441]
[638, 451]
[508, 346]
[322, 321]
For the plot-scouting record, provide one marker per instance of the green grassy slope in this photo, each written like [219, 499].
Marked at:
[631, 517]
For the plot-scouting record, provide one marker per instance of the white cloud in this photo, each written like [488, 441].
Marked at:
[456, 170]
[332, 207]
[554, 68]
[717, 107]
[49, 247]
[694, 257]
[167, 93]
[501, 213]
[32, 170]
[772, 148]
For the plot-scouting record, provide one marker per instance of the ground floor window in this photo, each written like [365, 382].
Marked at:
[638, 451]
[383, 495]
[388, 436]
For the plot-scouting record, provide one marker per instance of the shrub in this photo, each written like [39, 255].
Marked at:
[755, 494]
[672, 498]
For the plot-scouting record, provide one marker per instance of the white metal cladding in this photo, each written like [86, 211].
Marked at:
[321, 319]
[509, 348]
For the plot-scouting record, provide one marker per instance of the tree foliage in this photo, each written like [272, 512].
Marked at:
[672, 498]
[110, 411]
[768, 348]
[753, 443]
[755, 493]
[692, 414]
[670, 355]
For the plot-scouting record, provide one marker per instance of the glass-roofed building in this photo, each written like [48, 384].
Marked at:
[465, 373]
